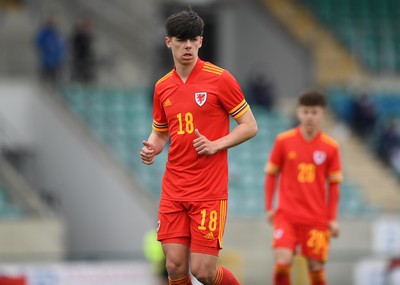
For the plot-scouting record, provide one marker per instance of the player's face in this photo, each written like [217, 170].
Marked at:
[184, 52]
[310, 117]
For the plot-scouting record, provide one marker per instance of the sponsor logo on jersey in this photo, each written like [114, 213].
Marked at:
[209, 236]
[167, 103]
[319, 157]
[292, 155]
[200, 98]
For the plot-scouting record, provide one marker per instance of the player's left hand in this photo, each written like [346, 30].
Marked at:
[202, 145]
[334, 228]
[147, 153]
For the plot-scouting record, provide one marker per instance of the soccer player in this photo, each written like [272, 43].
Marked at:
[305, 163]
[192, 107]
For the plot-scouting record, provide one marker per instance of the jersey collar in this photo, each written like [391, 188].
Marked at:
[304, 139]
[196, 70]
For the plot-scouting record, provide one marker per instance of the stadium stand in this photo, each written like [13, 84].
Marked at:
[366, 28]
[120, 119]
[8, 209]
[333, 62]
[387, 106]
[29, 229]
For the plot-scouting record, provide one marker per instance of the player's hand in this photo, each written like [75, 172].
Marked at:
[270, 216]
[202, 145]
[147, 153]
[334, 228]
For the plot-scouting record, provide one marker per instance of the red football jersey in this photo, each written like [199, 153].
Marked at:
[204, 102]
[305, 168]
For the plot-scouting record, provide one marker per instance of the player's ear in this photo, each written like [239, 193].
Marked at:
[201, 41]
[168, 42]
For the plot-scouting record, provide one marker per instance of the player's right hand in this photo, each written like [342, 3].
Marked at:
[270, 216]
[147, 153]
[334, 228]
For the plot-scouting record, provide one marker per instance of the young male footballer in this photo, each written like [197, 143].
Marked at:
[192, 107]
[305, 163]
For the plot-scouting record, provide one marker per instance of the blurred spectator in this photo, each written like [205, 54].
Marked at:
[154, 253]
[262, 91]
[395, 161]
[388, 141]
[364, 114]
[82, 51]
[51, 50]
[389, 145]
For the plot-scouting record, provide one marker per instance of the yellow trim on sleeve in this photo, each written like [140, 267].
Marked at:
[271, 168]
[336, 176]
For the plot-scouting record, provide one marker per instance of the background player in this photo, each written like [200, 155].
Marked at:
[192, 105]
[306, 162]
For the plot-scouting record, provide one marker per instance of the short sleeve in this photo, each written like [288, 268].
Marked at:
[275, 160]
[335, 171]
[160, 123]
[231, 96]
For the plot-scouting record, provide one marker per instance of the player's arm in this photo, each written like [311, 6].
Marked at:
[333, 205]
[246, 129]
[269, 189]
[335, 176]
[153, 146]
[272, 170]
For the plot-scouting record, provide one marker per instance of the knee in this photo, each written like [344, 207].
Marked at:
[284, 260]
[203, 274]
[176, 268]
[314, 265]
[283, 257]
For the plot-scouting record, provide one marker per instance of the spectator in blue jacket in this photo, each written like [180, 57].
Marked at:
[51, 49]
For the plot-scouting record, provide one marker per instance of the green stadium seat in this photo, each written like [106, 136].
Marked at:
[8, 210]
[121, 119]
[3, 200]
[368, 28]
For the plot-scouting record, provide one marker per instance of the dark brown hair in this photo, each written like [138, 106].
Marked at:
[312, 98]
[184, 25]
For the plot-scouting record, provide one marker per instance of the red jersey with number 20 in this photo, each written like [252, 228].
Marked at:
[306, 168]
[205, 102]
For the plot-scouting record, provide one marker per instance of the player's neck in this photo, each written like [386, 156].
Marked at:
[184, 70]
[309, 134]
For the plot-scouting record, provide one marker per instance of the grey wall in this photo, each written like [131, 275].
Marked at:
[250, 39]
[106, 215]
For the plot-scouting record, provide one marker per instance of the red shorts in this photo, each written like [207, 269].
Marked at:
[197, 224]
[313, 241]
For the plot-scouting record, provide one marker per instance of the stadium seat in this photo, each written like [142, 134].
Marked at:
[387, 104]
[7, 209]
[121, 119]
[366, 27]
